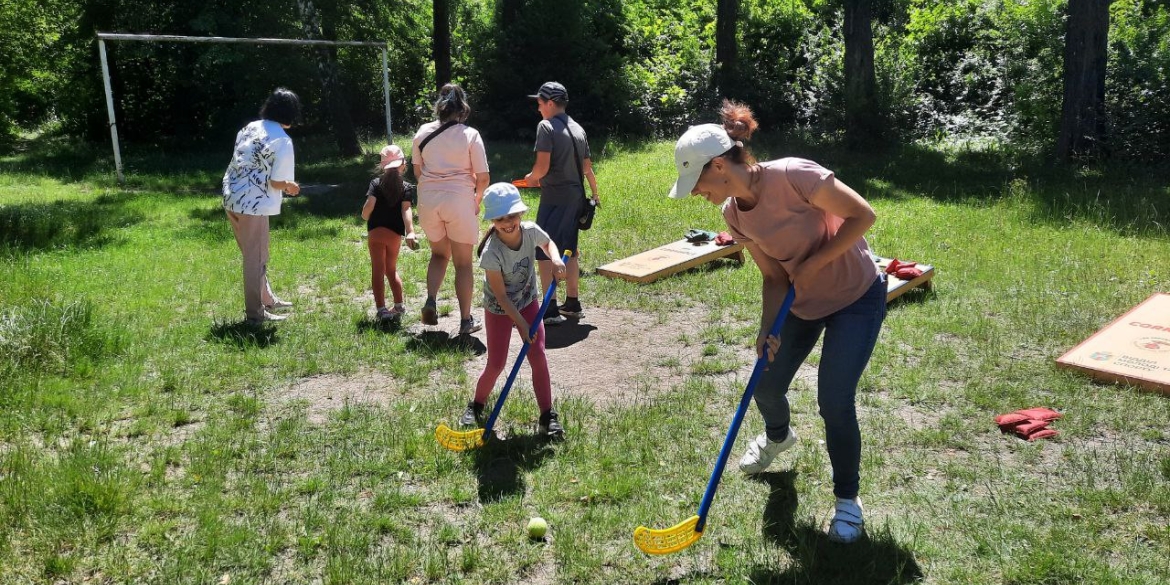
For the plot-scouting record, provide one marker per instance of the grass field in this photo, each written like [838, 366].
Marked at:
[144, 439]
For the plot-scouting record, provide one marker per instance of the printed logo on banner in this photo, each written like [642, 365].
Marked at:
[1156, 344]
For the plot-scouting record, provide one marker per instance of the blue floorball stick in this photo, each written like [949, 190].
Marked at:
[464, 440]
[688, 532]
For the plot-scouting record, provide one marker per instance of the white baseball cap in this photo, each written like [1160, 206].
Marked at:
[697, 146]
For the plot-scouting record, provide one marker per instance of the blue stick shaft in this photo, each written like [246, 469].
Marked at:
[548, 295]
[729, 441]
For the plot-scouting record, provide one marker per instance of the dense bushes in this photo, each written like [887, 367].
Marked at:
[638, 67]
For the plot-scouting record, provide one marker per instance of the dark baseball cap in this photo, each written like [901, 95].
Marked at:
[552, 91]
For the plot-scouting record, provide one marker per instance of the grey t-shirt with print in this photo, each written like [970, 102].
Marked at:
[517, 266]
[562, 185]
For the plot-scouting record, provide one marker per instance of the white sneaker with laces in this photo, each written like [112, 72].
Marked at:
[279, 304]
[266, 317]
[761, 452]
[847, 525]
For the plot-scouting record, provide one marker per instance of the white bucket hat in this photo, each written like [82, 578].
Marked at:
[501, 199]
[697, 146]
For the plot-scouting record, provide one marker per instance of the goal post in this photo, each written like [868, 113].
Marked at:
[103, 37]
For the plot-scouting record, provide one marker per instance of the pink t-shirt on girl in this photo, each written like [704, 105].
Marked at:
[450, 161]
[789, 229]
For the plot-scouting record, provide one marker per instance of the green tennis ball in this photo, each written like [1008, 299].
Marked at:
[537, 528]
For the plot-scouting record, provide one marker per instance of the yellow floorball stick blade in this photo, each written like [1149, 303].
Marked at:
[667, 540]
[458, 440]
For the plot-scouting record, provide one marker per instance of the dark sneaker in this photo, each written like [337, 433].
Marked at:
[469, 325]
[473, 416]
[550, 424]
[383, 314]
[572, 309]
[430, 314]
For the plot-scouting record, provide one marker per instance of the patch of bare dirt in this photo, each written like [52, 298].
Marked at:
[608, 356]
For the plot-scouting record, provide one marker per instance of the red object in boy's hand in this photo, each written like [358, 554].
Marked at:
[523, 184]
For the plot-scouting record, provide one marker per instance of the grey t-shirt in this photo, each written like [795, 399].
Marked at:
[518, 267]
[562, 185]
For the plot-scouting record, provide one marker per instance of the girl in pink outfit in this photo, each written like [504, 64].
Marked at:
[389, 221]
[511, 299]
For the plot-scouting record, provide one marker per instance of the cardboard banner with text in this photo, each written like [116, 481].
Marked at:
[1134, 349]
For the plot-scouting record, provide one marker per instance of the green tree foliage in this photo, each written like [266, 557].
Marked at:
[633, 67]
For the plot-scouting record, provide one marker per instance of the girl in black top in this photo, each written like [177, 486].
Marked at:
[389, 221]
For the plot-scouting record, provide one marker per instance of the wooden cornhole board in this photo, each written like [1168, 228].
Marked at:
[1134, 349]
[668, 259]
[896, 287]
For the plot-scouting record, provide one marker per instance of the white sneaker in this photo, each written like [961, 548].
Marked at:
[847, 525]
[761, 452]
[266, 317]
[279, 304]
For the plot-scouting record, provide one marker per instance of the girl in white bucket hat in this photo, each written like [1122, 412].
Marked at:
[511, 299]
[804, 229]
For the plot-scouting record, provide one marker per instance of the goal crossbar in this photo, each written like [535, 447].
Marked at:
[103, 37]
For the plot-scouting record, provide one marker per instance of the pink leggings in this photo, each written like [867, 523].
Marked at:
[384, 246]
[499, 334]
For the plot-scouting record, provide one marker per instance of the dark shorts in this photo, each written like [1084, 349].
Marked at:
[560, 221]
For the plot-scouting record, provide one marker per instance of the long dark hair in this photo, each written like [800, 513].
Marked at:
[491, 232]
[390, 186]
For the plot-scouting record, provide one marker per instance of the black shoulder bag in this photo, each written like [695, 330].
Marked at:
[588, 209]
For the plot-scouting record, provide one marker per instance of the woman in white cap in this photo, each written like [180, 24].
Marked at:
[804, 228]
[389, 222]
[511, 299]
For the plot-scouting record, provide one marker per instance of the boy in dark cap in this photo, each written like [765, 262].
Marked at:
[562, 164]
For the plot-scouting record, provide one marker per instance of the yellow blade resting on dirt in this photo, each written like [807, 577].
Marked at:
[458, 440]
[667, 540]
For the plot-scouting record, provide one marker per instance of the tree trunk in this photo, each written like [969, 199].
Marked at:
[332, 88]
[862, 124]
[726, 47]
[1082, 117]
[441, 42]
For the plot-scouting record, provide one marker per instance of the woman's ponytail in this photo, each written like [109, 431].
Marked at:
[740, 124]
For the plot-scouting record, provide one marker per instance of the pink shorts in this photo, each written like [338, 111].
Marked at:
[449, 215]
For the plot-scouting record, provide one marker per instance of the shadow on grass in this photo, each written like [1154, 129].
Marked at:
[815, 559]
[566, 334]
[243, 335]
[436, 342]
[500, 463]
[365, 324]
[34, 227]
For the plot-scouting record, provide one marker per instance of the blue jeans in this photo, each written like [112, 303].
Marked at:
[850, 336]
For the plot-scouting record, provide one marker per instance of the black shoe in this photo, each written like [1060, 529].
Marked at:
[473, 416]
[550, 424]
[572, 309]
[430, 315]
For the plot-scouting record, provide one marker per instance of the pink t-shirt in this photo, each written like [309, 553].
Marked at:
[789, 229]
[450, 161]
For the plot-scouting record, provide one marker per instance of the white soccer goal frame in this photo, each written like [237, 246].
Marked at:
[103, 37]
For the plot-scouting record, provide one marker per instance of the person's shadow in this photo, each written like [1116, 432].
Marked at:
[436, 342]
[566, 334]
[364, 324]
[876, 558]
[243, 334]
[500, 463]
